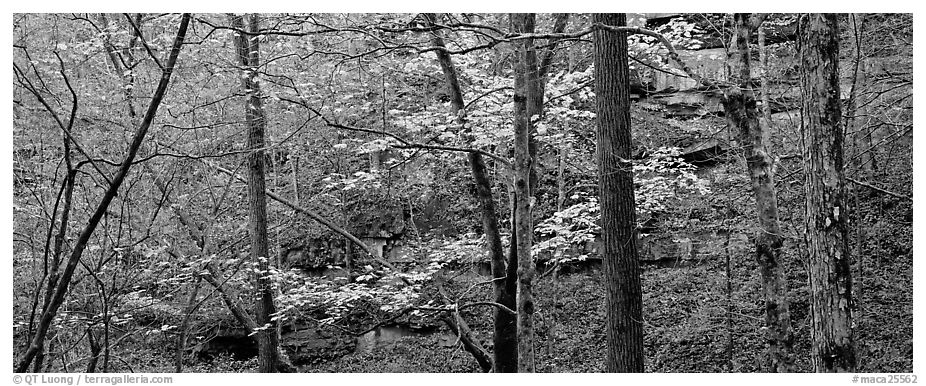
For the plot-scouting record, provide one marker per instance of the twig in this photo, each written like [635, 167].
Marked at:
[870, 186]
[403, 143]
[493, 304]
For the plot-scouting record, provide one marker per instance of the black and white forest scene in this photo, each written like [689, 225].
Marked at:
[462, 193]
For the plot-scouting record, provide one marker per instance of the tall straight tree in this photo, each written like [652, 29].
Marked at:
[525, 78]
[248, 51]
[824, 188]
[743, 117]
[624, 296]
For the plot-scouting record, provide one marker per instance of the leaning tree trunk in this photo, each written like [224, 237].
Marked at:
[624, 295]
[504, 338]
[743, 117]
[248, 50]
[49, 313]
[824, 187]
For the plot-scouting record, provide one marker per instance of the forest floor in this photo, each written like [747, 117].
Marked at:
[685, 311]
[690, 325]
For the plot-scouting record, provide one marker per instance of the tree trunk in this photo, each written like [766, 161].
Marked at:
[81, 244]
[465, 335]
[505, 351]
[824, 188]
[525, 89]
[728, 315]
[857, 121]
[118, 70]
[560, 202]
[198, 234]
[743, 118]
[184, 332]
[248, 50]
[624, 296]
[94, 351]
[764, 86]
[295, 176]
[505, 339]
[230, 298]
[537, 84]
[59, 245]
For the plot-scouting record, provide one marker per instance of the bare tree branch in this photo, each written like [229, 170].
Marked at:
[872, 187]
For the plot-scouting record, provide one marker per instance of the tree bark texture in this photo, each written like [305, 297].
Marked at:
[624, 296]
[826, 217]
[524, 89]
[81, 244]
[743, 118]
[248, 50]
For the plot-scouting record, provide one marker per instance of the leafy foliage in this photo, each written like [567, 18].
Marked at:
[660, 179]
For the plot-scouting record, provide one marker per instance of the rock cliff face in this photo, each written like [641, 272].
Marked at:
[382, 230]
[304, 345]
[681, 96]
[227, 341]
[315, 253]
[715, 27]
[310, 345]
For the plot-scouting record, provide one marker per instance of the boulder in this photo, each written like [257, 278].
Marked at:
[706, 153]
[227, 341]
[688, 104]
[310, 345]
[314, 253]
